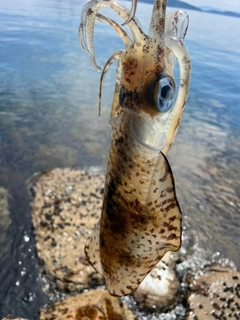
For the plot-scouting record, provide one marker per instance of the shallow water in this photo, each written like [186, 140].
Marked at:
[48, 118]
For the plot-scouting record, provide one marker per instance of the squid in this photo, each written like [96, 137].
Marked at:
[141, 217]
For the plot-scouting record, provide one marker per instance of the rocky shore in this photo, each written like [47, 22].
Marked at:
[65, 207]
[185, 285]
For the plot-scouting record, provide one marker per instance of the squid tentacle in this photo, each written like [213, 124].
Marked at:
[117, 109]
[82, 28]
[157, 23]
[124, 35]
[81, 37]
[176, 24]
[182, 55]
[89, 15]
[115, 56]
[132, 12]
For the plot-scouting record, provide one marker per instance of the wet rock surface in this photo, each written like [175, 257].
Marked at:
[91, 305]
[66, 205]
[215, 295]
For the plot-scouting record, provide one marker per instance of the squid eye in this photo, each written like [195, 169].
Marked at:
[166, 94]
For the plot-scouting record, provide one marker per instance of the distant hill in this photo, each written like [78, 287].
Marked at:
[175, 3]
[184, 5]
[224, 13]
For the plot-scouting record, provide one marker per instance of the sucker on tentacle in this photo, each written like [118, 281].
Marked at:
[141, 217]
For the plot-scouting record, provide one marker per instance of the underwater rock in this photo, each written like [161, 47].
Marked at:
[215, 295]
[91, 305]
[10, 318]
[160, 287]
[66, 205]
[5, 221]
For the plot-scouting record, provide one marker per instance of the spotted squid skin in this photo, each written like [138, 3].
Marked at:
[141, 217]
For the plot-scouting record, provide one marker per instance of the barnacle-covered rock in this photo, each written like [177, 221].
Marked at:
[66, 204]
[215, 296]
[160, 287]
[91, 305]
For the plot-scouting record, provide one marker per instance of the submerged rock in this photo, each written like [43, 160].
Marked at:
[10, 318]
[66, 205]
[5, 221]
[215, 296]
[91, 305]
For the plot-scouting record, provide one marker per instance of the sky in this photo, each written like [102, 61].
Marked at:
[226, 5]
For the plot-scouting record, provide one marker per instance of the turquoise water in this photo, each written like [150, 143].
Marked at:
[48, 118]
